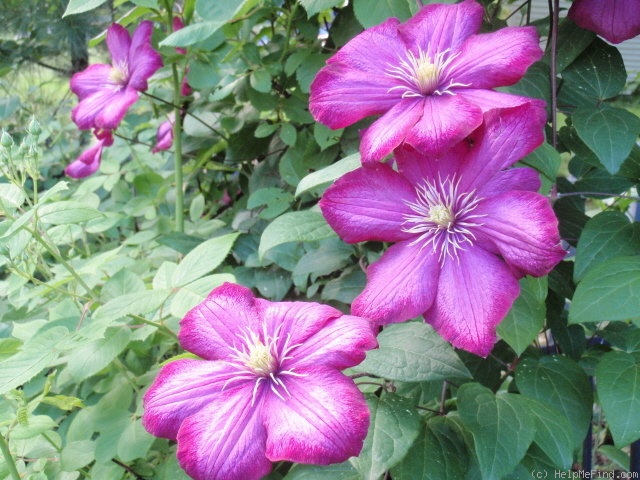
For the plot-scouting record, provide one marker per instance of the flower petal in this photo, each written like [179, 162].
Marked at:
[506, 136]
[390, 130]
[225, 440]
[323, 421]
[615, 20]
[91, 80]
[144, 61]
[81, 168]
[475, 293]
[446, 120]
[489, 99]
[183, 388]
[212, 328]
[368, 204]
[164, 135]
[523, 229]
[355, 84]
[417, 167]
[495, 59]
[118, 42]
[437, 27]
[340, 344]
[513, 179]
[400, 285]
[104, 109]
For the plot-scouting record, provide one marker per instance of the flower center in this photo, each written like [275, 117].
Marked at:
[119, 73]
[260, 360]
[423, 74]
[443, 217]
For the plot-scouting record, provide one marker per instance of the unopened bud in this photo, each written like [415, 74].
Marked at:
[34, 127]
[6, 140]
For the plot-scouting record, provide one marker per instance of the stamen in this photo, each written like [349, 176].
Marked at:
[421, 75]
[443, 218]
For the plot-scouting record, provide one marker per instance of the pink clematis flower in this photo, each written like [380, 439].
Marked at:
[465, 229]
[269, 387]
[430, 78]
[89, 161]
[164, 135]
[614, 20]
[107, 91]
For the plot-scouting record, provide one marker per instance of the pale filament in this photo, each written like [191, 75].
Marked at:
[443, 218]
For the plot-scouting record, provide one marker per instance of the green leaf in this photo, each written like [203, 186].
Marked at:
[394, 427]
[276, 200]
[501, 426]
[309, 68]
[413, 352]
[9, 105]
[439, 453]
[526, 317]
[341, 471]
[36, 425]
[203, 259]
[609, 132]
[76, 455]
[91, 357]
[288, 134]
[316, 6]
[65, 212]
[572, 40]
[303, 226]
[384, 9]
[609, 291]
[618, 381]
[80, 6]
[137, 303]
[194, 33]
[597, 74]
[134, 442]
[195, 292]
[607, 235]
[328, 174]
[545, 159]
[553, 432]
[561, 382]
[11, 196]
[260, 80]
[37, 353]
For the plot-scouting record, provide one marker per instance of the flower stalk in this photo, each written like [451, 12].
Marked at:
[8, 458]
[177, 151]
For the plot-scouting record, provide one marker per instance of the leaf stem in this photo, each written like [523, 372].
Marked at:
[554, 7]
[8, 458]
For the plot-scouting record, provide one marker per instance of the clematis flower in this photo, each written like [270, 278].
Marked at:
[615, 20]
[107, 91]
[269, 387]
[164, 135]
[89, 161]
[430, 78]
[464, 229]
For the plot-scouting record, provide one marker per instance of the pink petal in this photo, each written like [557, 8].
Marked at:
[183, 388]
[475, 293]
[355, 84]
[225, 440]
[325, 420]
[417, 167]
[401, 285]
[522, 227]
[488, 99]
[118, 42]
[81, 169]
[104, 109]
[91, 80]
[615, 20]
[506, 136]
[164, 136]
[390, 130]
[512, 179]
[340, 344]
[212, 328]
[495, 59]
[437, 27]
[446, 120]
[294, 322]
[368, 204]
[143, 60]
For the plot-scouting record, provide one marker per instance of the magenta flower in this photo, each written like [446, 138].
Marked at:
[614, 20]
[164, 135]
[89, 161]
[465, 229]
[269, 387]
[107, 91]
[430, 78]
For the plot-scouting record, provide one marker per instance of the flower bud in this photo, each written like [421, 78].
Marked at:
[6, 140]
[34, 127]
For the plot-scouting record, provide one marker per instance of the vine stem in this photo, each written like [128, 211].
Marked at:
[554, 7]
[177, 151]
[8, 458]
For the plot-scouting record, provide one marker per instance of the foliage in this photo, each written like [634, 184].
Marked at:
[95, 275]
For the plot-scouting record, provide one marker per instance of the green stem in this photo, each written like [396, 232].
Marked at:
[8, 458]
[177, 151]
